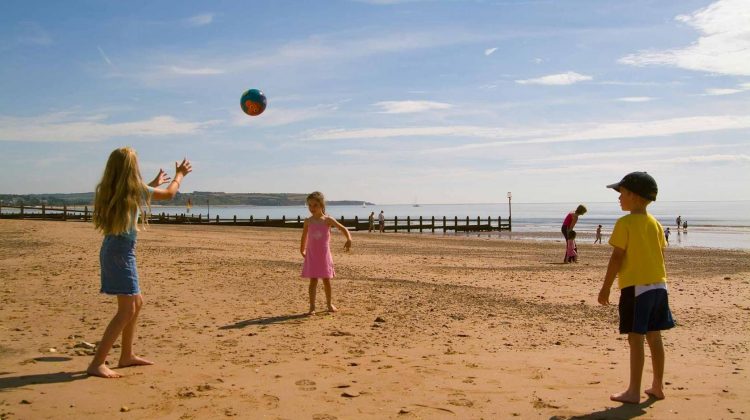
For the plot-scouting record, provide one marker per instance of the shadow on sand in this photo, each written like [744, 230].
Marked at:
[264, 321]
[42, 378]
[623, 412]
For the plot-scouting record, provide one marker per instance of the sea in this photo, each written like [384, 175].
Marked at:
[711, 224]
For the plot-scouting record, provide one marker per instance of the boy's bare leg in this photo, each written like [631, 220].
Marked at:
[656, 347]
[127, 357]
[312, 290]
[327, 289]
[633, 394]
[125, 311]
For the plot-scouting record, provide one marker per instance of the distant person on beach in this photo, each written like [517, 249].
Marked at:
[679, 222]
[638, 263]
[666, 235]
[571, 253]
[598, 234]
[684, 225]
[121, 197]
[381, 222]
[569, 223]
[315, 248]
[371, 222]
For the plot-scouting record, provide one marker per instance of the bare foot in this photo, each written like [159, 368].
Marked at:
[332, 308]
[134, 361]
[626, 397]
[102, 372]
[657, 394]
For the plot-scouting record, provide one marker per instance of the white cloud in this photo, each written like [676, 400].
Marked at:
[568, 78]
[720, 92]
[200, 20]
[64, 127]
[489, 51]
[275, 116]
[710, 159]
[538, 61]
[203, 71]
[503, 137]
[407, 107]
[723, 47]
[636, 99]
[728, 91]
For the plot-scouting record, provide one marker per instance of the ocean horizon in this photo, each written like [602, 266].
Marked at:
[711, 224]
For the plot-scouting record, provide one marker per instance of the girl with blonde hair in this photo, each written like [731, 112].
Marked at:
[315, 248]
[121, 197]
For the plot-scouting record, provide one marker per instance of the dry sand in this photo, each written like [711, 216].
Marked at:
[471, 328]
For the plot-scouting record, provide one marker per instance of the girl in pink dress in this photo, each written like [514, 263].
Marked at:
[315, 247]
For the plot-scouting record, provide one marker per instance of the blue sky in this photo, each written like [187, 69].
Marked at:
[385, 101]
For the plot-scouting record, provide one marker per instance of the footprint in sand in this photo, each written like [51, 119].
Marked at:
[270, 401]
[323, 417]
[306, 385]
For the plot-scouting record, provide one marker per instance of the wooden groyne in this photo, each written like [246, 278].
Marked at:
[395, 224]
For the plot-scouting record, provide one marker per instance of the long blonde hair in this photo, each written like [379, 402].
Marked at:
[120, 195]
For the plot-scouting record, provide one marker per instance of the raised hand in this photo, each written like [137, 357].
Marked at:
[161, 178]
[183, 168]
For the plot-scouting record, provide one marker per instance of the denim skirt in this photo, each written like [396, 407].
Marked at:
[119, 274]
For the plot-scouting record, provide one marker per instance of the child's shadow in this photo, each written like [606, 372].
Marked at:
[263, 321]
[623, 412]
[43, 378]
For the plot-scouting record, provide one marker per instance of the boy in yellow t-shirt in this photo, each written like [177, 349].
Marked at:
[638, 262]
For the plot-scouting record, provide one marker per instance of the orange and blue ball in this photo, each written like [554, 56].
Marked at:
[253, 102]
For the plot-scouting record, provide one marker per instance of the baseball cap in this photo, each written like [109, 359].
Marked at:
[640, 183]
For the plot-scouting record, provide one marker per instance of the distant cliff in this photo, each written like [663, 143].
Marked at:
[198, 198]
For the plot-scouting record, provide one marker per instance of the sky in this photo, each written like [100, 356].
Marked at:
[389, 101]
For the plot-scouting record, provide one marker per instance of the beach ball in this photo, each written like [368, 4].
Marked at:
[253, 102]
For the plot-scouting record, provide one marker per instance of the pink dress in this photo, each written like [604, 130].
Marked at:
[318, 260]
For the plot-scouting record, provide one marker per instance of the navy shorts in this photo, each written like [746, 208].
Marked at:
[646, 312]
[119, 274]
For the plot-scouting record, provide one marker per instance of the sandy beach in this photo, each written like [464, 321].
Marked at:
[430, 326]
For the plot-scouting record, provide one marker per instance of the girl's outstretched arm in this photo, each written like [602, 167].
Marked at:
[333, 222]
[181, 170]
[303, 241]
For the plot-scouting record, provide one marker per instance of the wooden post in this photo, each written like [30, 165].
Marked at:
[44, 211]
[65, 212]
[479, 222]
[85, 213]
[298, 219]
[455, 221]
[408, 223]
[395, 223]
[217, 219]
[420, 224]
[356, 222]
[283, 219]
[433, 224]
[235, 219]
[200, 218]
[467, 224]
[489, 223]
[21, 216]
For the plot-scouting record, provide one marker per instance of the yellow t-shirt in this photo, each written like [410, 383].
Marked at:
[642, 238]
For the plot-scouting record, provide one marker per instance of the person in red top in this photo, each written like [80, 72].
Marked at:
[569, 223]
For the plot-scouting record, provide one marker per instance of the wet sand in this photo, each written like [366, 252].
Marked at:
[430, 326]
